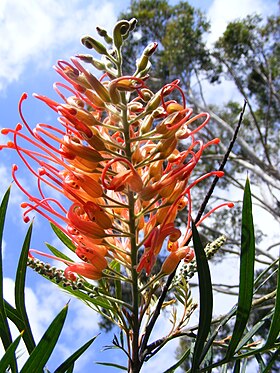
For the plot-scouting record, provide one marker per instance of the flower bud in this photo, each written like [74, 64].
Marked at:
[173, 259]
[98, 87]
[102, 32]
[89, 59]
[121, 29]
[96, 100]
[153, 103]
[91, 43]
[143, 61]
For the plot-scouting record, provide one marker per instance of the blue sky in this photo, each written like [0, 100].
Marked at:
[34, 35]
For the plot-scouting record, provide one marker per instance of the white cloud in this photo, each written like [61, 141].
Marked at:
[34, 30]
[222, 12]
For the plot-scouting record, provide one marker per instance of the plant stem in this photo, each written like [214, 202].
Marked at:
[134, 362]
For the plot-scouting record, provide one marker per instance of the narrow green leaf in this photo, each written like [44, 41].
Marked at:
[9, 357]
[272, 361]
[274, 329]
[71, 369]
[261, 362]
[246, 274]
[224, 368]
[5, 333]
[19, 291]
[57, 253]
[179, 362]
[253, 331]
[63, 238]
[236, 368]
[14, 316]
[118, 286]
[258, 284]
[69, 363]
[205, 297]
[97, 301]
[121, 367]
[40, 355]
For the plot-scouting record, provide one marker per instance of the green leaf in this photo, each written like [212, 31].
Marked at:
[5, 333]
[63, 238]
[118, 286]
[69, 363]
[236, 368]
[13, 315]
[206, 299]
[179, 362]
[8, 358]
[40, 355]
[274, 329]
[121, 367]
[57, 253]
[19, 292]
[246, 275]
[253, 331]
[272, 361]
[71, 369]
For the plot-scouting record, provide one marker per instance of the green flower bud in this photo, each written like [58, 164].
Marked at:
[133, 23]
[91, 43]
[98, 87]
[143, 64]
[89, 59]
[102, 32]
[153, 103]
[120, 30]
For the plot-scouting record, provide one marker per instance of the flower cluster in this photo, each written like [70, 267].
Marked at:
[114, 155]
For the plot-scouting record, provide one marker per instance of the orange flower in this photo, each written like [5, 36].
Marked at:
[118, 163]
[173, 259]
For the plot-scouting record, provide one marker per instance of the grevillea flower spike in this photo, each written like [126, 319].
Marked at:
[119, 176]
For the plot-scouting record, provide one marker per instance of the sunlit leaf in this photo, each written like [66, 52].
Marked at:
[5, 333]
[40, 355]
[9, 356]
[14, 316]
[179, 362]
[63, 238]
[246, 274]
[121, 367]
[118, 286]
[19, 292]
[69, 363]
[57, 253]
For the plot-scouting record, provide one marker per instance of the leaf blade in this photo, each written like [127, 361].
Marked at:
[57, 253]
[275, 323]
[9, 356]
[69, 363]
[5, 333]
[40, 355]
[206, 299]
[121, 367]
[179, 362]
[246, 273]
[63, 238]
[19, 291]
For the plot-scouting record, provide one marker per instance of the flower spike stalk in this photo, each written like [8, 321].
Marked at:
[120, 178]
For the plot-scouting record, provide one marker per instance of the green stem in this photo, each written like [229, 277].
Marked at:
[134, 363]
